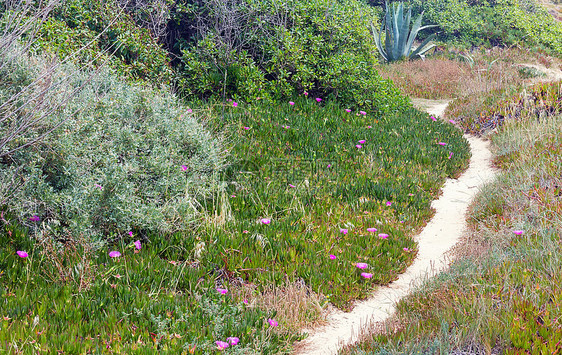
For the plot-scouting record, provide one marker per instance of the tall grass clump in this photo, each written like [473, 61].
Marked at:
[509, 267]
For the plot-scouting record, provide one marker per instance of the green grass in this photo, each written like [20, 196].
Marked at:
[164, 298]
[510, 281]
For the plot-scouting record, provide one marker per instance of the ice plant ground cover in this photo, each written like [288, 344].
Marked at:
[176, 291]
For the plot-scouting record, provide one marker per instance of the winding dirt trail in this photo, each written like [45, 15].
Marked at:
[441, 233]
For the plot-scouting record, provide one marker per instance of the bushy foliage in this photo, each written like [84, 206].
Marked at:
[274, 48]
[108, 33]
[493, 22]
[115, 162]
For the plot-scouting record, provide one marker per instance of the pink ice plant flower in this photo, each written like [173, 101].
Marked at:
[291, 103]
[272, 322]
[189, 110]
[130, 233]
[452, 121]
[184, 167]
[318, 99]
[98, 186]
[246, 128]
[305, 93]
[34, 218]
[389, 203]
[369, 126]
[361, 265]
[291, 185]
[450, 155]
[406, 249]
[222, 291]
[332, 257]
[383, 235]
[433, 118]
[358, 146]
[232, 340]
[221, 345]
[363, 113]
[22, 254]
[347, 110]
[114, 254]
[372, 230]
[362, 141]
[518, 232]
[366, 275]
[265, 220]
[234, 104]
[442, 143]
[343, 230]
[138, 244]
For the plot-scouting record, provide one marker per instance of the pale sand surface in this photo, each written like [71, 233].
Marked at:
[441, 234]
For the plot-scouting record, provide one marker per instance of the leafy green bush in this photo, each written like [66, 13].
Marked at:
[123, 157]
[274, 48]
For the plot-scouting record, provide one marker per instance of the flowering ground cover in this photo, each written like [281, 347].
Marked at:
[316, 192]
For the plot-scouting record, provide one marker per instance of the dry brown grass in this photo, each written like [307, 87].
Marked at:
[296, 305]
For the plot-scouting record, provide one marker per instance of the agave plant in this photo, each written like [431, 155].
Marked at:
[399, 38]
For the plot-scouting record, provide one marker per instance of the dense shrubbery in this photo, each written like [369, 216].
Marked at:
[115, 162]
[494, 22]
[275, 48]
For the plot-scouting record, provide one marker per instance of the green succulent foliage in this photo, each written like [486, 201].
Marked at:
[399, 38]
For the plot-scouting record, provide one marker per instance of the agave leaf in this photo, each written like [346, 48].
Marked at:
[414, 32]
[420, 49]
[387, 40]
[378, 42]
[404, 29]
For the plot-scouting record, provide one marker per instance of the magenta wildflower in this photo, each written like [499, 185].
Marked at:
[265, 220]
[233, 340]
[343, 230]
[329, 165]
[362, 141]
[406, 249]
[369, 126]
[363, 113]
[358, 146]
[450, 155]
[189, 110]
[291, 103]
[318, 99]
[332, 257]
[98, 186]
[388, 203]
[383, 235]
[22, 254]
[245, 231]
[291, 185]
[442, 143]
[221, 345]
[518, 232]
[234, 104]
[272, 322]
[347, 110]
[246, 128]
[222, 291]
[114, 254]
[34, 218]
[452, 121]
[433, 118]
[361, 265]
[305, 93]
[138, 244]
[366, 275]
[371, 230]
[245, 301]
[184, 167]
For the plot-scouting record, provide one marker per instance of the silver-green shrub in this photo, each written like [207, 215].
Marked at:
[114, 163]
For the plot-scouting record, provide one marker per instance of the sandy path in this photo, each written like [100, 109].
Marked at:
[440, 234]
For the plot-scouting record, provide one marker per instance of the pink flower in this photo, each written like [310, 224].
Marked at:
[221, 345]
[245, 301]
[406, 249]
[34, 218]
[245, 232]
[189, 110]
[234, 104]
[347, 110]
[138, 244]
[366, 275]
[130, 234]
[332, 257]
[361, 265]
[114, 254]
[433, 118]
[272, 322]
[363, 113]
[518, 232]
[246, 128]
[383, 235]
[343, 231]
[388, 203]
[371, 230]
[442, 143]
[369, 126]
[184, 167]
[450, 155]
[358, 146]
[98, 186]
[452, 121]
[222, 291]
[305, 93]
[318, 99]
[291, 185]
[22, 254]
[265, 220]
[329, 165]
[233, 340]
[362, 141]
[291, 103]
